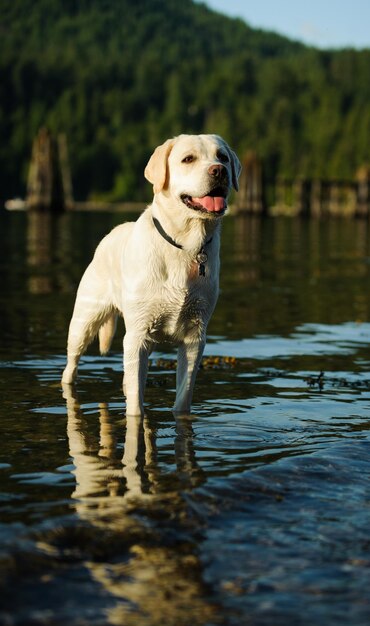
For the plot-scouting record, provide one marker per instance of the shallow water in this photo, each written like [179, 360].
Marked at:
[256, 509]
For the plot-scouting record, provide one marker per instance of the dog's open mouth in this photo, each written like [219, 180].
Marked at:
[214, 202]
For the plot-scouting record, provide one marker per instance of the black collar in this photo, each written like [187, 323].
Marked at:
[201, 257]
[167, 237]
[162, 232]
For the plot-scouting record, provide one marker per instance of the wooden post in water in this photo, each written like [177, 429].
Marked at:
[316, 198]
[250, 197]
[65, 171]
[334, 203]
[49, 182]
[363, 190]
[301, 196]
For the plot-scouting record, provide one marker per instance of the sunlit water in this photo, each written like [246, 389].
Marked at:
[256, 510]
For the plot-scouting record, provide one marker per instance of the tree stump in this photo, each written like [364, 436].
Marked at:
[250, 198]
[49, 182]
[363, 190]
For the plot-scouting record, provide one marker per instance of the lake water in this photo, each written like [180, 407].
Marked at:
[255, 510]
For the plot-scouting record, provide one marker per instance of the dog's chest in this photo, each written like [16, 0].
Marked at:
[178, 315]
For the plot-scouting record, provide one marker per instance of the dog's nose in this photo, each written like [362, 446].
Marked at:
[217, 171]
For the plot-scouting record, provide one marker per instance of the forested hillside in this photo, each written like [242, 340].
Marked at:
[120, 76]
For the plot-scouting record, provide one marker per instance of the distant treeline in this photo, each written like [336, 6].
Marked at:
[120, 76]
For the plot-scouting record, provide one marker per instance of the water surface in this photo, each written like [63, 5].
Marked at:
[256, 509]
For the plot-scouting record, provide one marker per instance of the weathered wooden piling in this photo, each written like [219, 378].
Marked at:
[342, 198]
[301, 196]
[250, 197]
[316, 198]
[65, 171]
[332, 198]
[363, 190]
[49, 181]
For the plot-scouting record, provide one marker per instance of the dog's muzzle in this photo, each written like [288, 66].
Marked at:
[214, 203]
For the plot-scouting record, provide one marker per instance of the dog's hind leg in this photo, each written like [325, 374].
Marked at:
[89, 315]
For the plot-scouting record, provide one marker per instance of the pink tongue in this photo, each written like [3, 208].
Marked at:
[212, 204]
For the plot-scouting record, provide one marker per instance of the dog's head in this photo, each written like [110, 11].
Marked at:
[197, 171]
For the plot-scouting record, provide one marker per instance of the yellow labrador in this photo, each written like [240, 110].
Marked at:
[161, 273]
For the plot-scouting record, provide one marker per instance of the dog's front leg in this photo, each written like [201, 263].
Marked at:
[136, 353]
[188, 359]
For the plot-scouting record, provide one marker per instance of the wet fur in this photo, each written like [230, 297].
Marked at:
[155, 286]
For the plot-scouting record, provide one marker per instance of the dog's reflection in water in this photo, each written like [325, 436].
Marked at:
[140, 540]
[100, 469]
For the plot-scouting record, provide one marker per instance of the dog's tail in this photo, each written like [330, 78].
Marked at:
[106, 333]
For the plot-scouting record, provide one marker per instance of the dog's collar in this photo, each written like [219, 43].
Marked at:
[201, 257]
[162, 232]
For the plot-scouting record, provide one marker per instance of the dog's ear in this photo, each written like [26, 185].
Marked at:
[236, 168]
[156, 169]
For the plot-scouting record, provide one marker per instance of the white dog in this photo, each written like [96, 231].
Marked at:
[161, 273]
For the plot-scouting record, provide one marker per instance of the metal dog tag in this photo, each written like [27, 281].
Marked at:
[202, 258]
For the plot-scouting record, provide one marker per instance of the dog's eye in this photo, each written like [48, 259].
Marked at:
[222, 157]
[188, 159]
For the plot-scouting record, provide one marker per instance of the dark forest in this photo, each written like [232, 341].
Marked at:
[118, 77]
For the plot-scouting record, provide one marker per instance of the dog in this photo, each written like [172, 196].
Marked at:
[161, 273]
